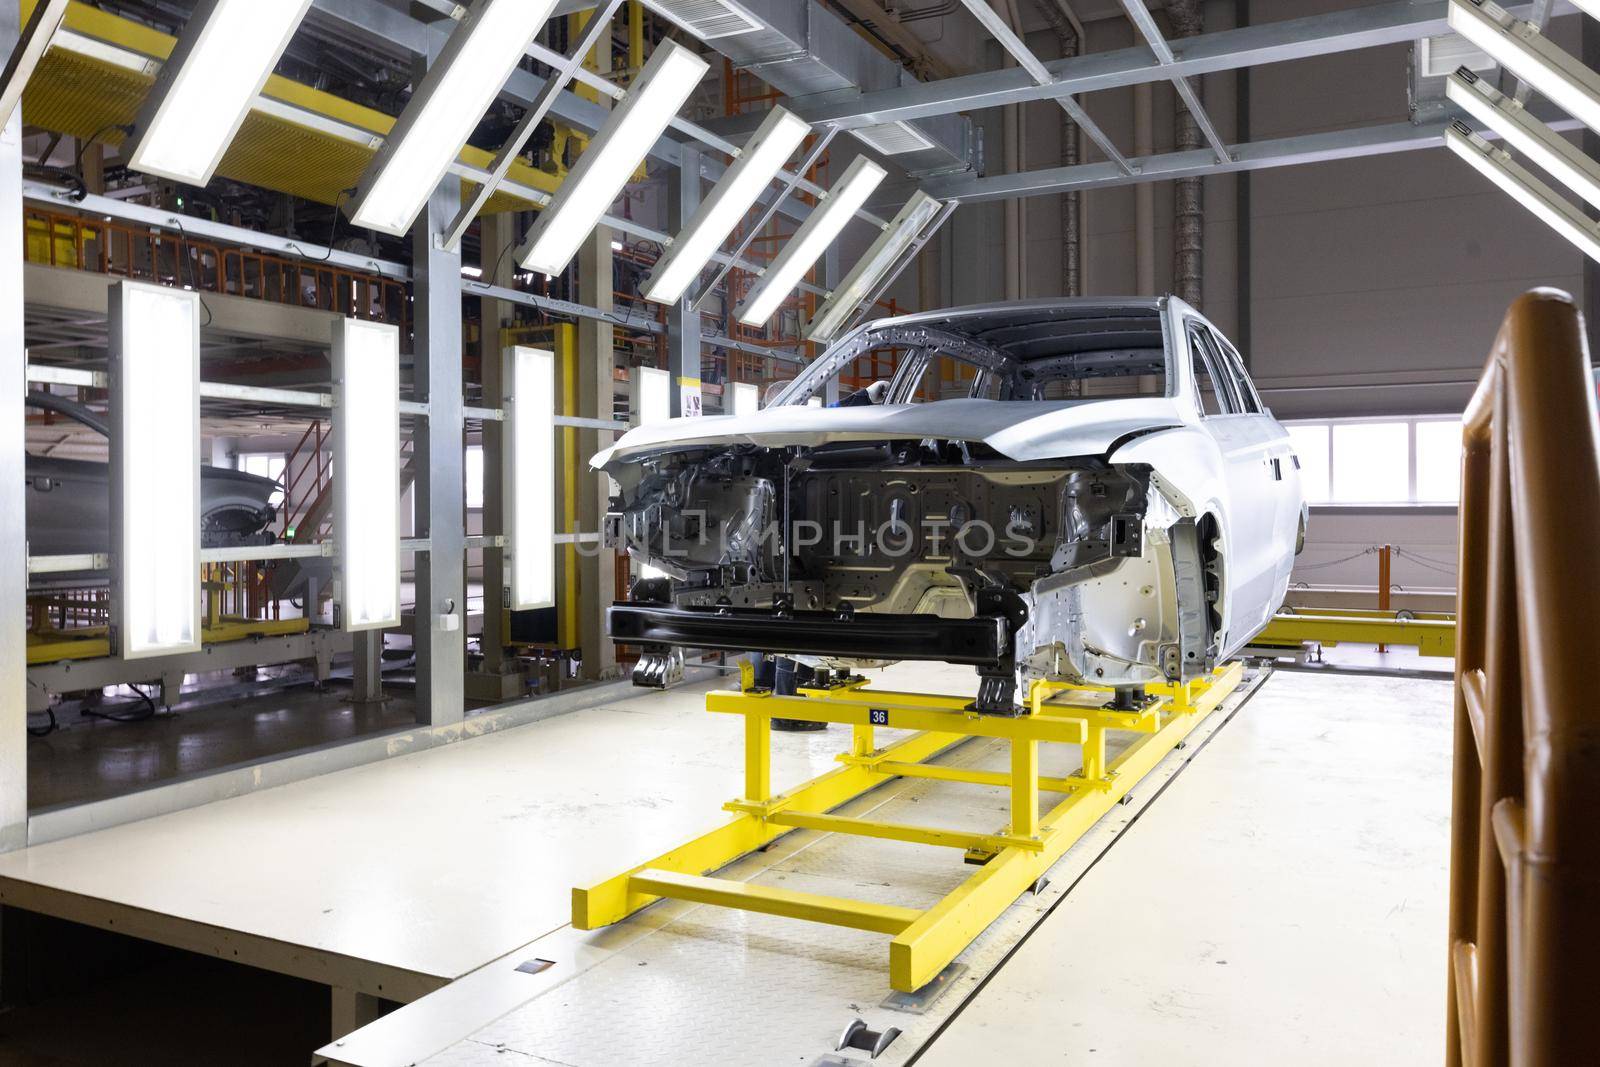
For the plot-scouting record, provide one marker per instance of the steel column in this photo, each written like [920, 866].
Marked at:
[683, 321]
[13, 530]
[597, 565]
[497, 234]
[441, 601]
[366, 667]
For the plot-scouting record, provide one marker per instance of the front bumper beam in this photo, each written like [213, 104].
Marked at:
[979, 642]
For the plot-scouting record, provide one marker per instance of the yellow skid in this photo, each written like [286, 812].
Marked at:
[924, 942]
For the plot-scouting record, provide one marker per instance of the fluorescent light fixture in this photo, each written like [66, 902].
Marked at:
[454, 94]
[1511, 120]
[596, 180]
[652, 396]
[1497, 165]
[30, 48]
[745, 399]
[813, 237]
[529, 477]
[901, 233]
[201, 97]
[155, 467]
[1527, 53]
[366, 478]
[762, 158]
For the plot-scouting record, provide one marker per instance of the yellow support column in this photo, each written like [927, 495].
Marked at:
[757, 756]
[862, 741]
[1024, 788]
[1094, 754]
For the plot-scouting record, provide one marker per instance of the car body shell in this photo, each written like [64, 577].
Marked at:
[1233, 469]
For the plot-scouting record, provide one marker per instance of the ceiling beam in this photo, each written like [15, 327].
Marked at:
[1258, 155]
[1392, 22]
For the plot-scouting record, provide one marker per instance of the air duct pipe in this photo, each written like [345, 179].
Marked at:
[1069, 36]
[1188, 204]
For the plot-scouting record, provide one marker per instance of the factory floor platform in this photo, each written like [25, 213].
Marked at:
[1221, 916]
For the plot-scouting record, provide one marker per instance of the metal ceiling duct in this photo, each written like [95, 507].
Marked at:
[800, 49]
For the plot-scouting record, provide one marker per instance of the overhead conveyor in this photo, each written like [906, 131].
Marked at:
[1011, 860]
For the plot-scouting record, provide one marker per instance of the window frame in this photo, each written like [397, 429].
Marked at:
[1411, 422]
[1196, 334]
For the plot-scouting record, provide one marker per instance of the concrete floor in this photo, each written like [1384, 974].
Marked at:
[1280, 902]
[92, 759]
[1283, 902]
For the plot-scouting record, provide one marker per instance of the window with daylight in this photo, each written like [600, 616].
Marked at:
[1379, 461]
[265, 465]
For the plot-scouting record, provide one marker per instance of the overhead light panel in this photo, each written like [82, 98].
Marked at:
[366, 472]
[746, 399]
[1527, 53]
[652, 396]
[204, 91]
[903, 231]
[1552, 153]
[596, 180]
[762, 158]
[155, 467]
[30, 48]
[529, 478]
[1516, 181]
[813, 237]
[453, 96]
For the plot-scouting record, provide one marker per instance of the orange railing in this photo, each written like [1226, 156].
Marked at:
[307, 481]
[1525, 844]
[60, 239]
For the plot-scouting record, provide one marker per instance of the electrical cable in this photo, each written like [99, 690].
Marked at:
[333, 231]
[1335, 562]
[46, 731]
[149, 712]
[188, 259]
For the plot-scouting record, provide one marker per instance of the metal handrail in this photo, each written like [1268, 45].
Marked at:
[1524, 952]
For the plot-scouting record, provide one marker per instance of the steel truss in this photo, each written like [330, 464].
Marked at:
[1012, 859]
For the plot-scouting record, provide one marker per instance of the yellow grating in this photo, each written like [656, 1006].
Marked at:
[80, 96]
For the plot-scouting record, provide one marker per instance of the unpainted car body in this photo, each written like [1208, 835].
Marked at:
[1078, 490]
[69, 500]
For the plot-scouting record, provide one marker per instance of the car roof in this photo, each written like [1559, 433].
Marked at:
[1039, 329]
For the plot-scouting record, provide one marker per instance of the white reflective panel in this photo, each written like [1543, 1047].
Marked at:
[445, 109]
[1371, 463]
[473, 471]
[652, 396]
[1311, 448]
[745, 399]
[880, 257]
[595, 182]
[762, 158]
[813, 237]
[223, 58]
[1522, 186]
[366, 479]
[1523, 50]
[155, 495]
[530, 478]
[1546, 148]
[1439, 461]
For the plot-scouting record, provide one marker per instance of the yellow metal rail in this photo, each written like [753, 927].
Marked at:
[91, 642]
[1013, 859]
[1431, 633]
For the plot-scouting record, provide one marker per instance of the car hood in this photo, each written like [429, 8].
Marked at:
[1018, 430]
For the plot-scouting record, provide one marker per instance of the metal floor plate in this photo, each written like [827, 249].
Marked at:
[695, 984]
